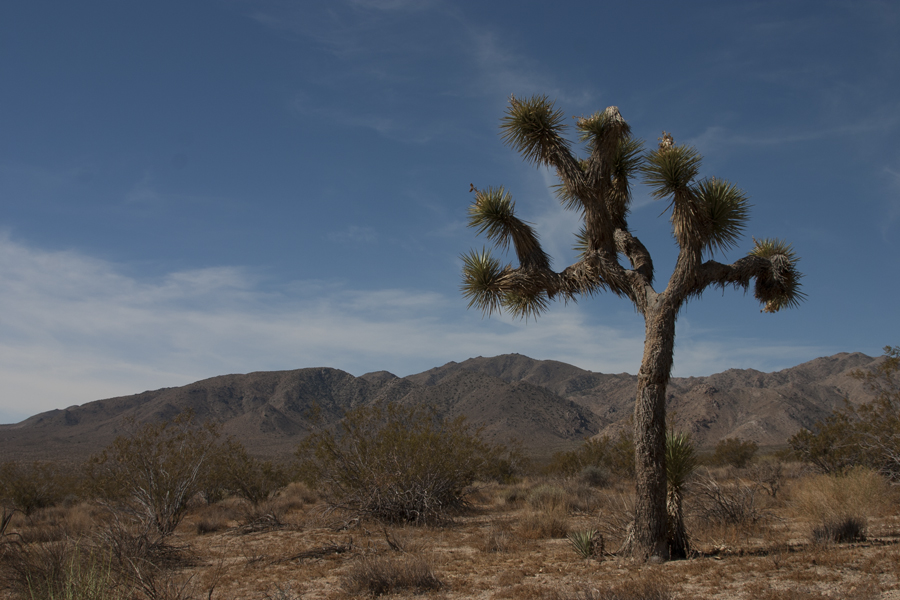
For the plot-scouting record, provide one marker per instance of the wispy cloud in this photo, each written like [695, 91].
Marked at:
[354, 234]
[717, 138]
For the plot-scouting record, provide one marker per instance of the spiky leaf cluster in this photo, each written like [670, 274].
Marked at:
[681, 459]
[482, 279]
[493, 214]
[669, 170]
[533, 127]
[779, 287]
[727, 211]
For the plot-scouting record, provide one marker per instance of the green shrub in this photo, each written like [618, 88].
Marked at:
[395, 463]
[155, 469]
[30, 487]
[734, 452]
[246, 476]
[595, 476]
[614, 455]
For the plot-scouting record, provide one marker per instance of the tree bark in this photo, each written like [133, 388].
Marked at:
[650, 515]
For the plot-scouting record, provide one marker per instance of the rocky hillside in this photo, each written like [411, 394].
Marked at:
[547, 405]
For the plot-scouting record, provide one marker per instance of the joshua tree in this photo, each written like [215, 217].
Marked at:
[707, 215]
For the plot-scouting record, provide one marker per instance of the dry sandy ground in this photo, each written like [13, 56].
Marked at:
[508, 548]
[495, 553]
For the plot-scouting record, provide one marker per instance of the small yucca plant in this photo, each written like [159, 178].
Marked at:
[681, 461]
[588, 544]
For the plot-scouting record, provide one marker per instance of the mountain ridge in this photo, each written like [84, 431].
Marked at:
[546, 404]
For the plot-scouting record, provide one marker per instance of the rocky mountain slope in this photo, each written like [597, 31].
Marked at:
[547, 405]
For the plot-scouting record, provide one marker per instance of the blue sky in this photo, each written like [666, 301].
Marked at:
[195, 188]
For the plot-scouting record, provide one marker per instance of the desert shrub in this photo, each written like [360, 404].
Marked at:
[768, 475]
[868, 434]
[515, 494]
[615, 455]
[211, 524]
[145, 562]
[837, 505]
[31, 486]
[378, 575]
[595, 476]
[155, 469]
[616, 516]
[843, 529]
[395, 463]
[505, 463]
[728, 502]
[734, 452]
[246, 476]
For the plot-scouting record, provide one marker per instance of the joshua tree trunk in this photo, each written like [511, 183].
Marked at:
[650, 520]
[707, 216]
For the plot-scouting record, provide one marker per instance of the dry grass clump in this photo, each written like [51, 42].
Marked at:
[61, 569]
[514, 495]
[498, 538]
[264, 516]
[549, 498]
[838, 507]
[295, 496]
[543, 524]
[378, 575]
[648, 586]
[868, 591]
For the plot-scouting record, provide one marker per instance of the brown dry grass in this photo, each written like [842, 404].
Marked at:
[509, 546]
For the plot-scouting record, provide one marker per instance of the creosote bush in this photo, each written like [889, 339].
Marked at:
[597, 460]
[735, 452]
[398, 464]
[31, 486]
[155, 469]
[248, 477]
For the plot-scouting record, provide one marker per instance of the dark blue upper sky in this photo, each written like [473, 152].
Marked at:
[194, 188]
